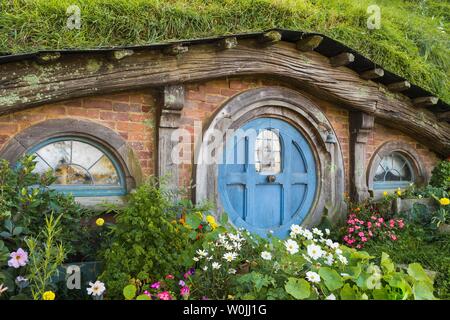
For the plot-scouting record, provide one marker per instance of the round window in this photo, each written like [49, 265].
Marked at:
[81, 167]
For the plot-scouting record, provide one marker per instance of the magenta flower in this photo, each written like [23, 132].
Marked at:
[18, 259]
[155, 285]
[182, 283]
[184, 291]
[165, 295]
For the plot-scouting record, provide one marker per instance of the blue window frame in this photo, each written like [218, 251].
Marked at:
[394, 171]
[81, 166]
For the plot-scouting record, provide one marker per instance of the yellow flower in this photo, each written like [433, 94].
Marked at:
[212, 221]
[48, 295]
[385, 193]
[399, 192]
[444, 201]
[100, 222]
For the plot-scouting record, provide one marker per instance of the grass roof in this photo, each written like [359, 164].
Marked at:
[413, 39]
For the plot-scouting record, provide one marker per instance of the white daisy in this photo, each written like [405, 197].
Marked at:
[308, 234]
[97, 288]
[327, 231]
[312, 276]
[329, 242]
[266, 255]
[216, 265]
[314, 251]
[232, 271]
[296, 229]
[342, 259]
[195, 259]
[291, 246]
[318, 232]
[338, 251]
[202, 253]
[329, 260]
[205, 268]
[230, 256]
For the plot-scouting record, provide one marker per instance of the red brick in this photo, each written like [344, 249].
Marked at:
[120, 106]
[135, 107]
[214, 98]
[8, 128]
[98, 103]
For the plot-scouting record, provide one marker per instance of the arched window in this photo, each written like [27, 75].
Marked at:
[394, 171]
[81, 167]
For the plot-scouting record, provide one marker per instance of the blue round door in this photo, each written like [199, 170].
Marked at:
[267, 180]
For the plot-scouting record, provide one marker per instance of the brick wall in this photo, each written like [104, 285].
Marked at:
[131, 114]
[125, 113]
[203, 99]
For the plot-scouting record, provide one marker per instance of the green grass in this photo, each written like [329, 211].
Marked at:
[412, 42]
[424, 246]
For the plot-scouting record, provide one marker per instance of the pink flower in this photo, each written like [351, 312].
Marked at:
[147, 293]
[169, 276]
[378, 224]
[363, 239]
[380, 220]
[357, 227]
[400, 224]
[391, 223]
[393, 237]
[369, 224]
[359, 246]
[165, 295]
[351, 221]
[373, 218]
[370, 234]
[361, 234]
[184, 291]
[351, 230]
[18, 259]
[181, 283]
[156, 285]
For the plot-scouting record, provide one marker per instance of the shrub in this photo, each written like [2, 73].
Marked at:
[146, 240]
[440, 176]
[26, 199]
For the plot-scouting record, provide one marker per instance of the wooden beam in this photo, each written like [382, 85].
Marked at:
[342, 59]
[270, 38]
[47, 57]
[309, 43]
[227, 43]
[119, 54]
[372, 74]
[444, 116]
[150, 68]
[425, 101]
[399, 86]
[175, 49]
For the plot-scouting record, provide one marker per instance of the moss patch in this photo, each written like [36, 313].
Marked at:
[412, 41]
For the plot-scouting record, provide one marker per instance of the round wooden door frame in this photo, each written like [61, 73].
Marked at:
[299, 111]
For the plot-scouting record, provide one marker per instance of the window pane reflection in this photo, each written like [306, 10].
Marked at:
[267, 152]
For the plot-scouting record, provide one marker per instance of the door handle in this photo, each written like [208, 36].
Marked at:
[271, 178]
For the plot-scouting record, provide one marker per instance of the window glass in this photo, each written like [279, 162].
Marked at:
[393, 168]
[79, 164]
[267, 152]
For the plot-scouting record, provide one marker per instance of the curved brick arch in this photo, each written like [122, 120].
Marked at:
[416, 161]
[54, 128]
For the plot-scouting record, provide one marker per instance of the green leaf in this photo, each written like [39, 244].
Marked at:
[348, 293]
[193, 220]
[380, 294]
[331, 278]
[386, 263]
[423, 290]
[363, 255]
[298, 288]
[129, 292]
[143, 297]
[416, 271]
[17, 231]
[9, 225]
[224, 219]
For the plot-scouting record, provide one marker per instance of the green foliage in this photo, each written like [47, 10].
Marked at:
[298, 288]
[440, 177]
[46, 254]
[26, 200]
[412, 40]
[146, 240]
[425, 246]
